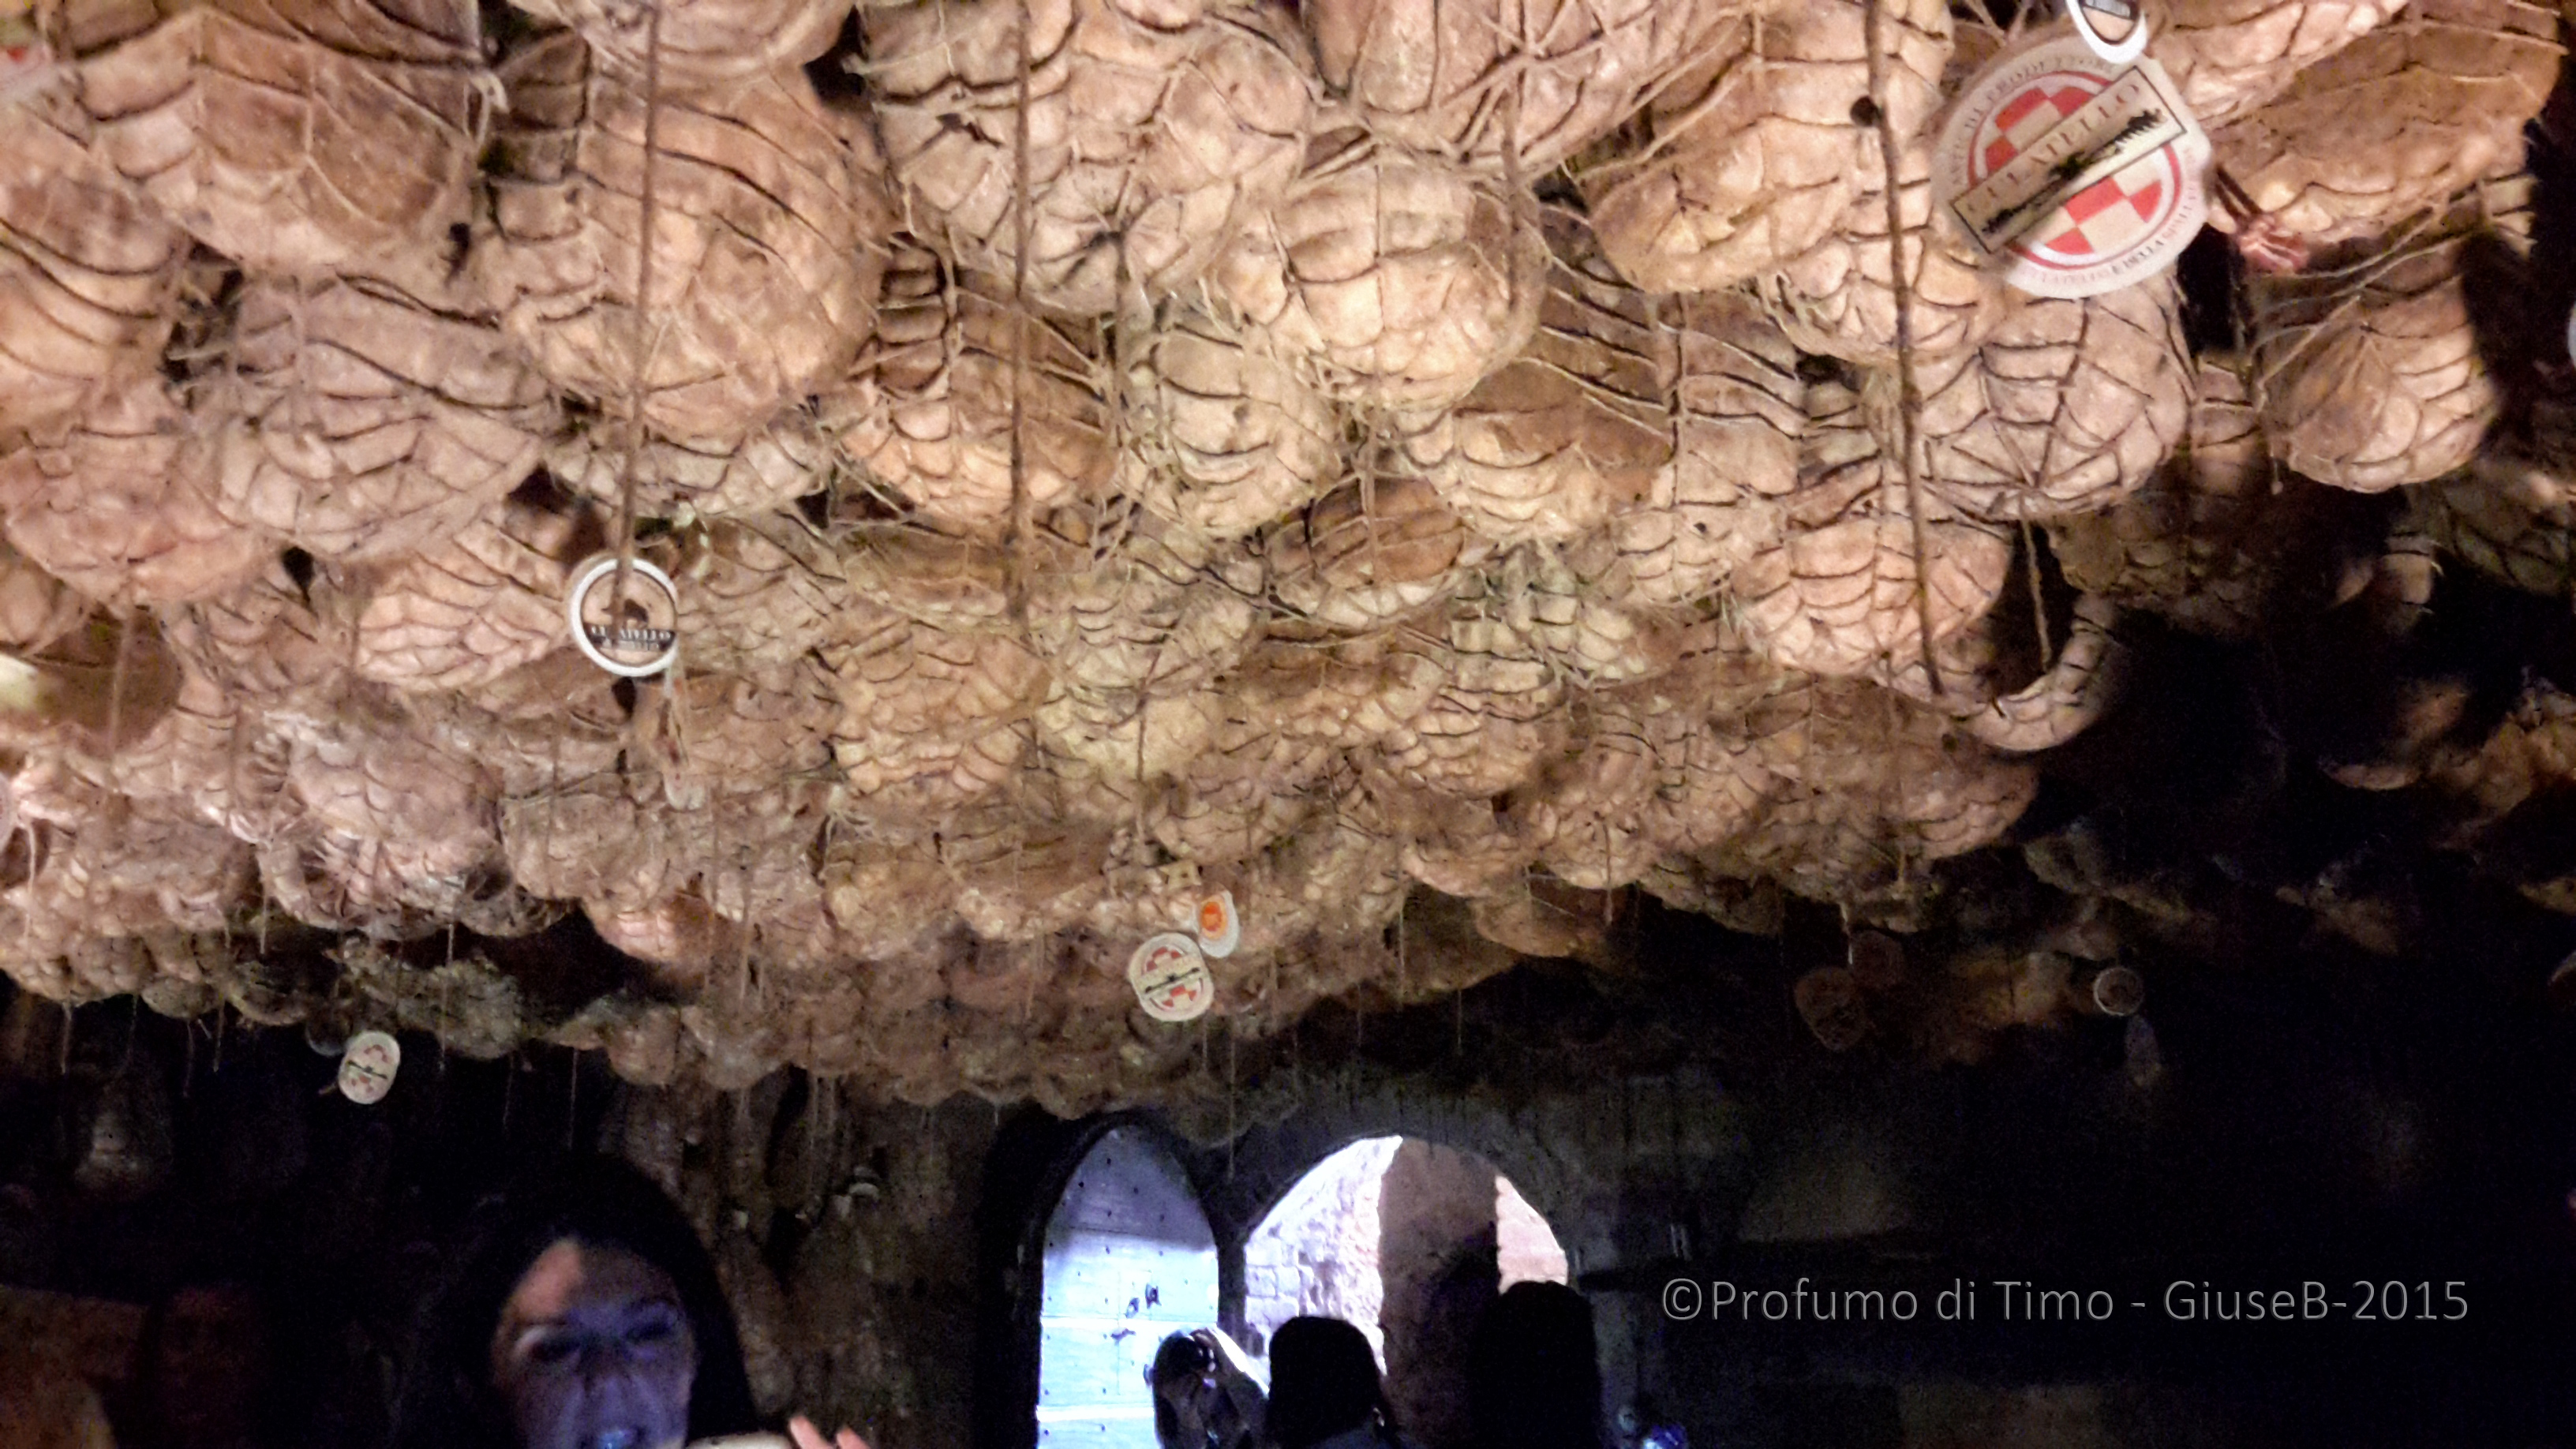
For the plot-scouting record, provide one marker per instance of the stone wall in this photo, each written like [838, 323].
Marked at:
[1436, 1252]
[1317, 1251]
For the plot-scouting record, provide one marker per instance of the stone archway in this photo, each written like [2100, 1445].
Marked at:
[1409, 1240]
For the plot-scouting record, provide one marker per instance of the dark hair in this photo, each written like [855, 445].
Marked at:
[1533, 1374]
[1323, 1381]
[1180, 1357]
[446, 1399]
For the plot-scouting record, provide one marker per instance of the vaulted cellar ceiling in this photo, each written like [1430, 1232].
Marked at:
[1108, 453]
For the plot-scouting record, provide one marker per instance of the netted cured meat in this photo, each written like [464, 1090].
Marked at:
[396, 833]
[1389, 280]
[2397, 121]
[929, 411]
[672, 478]
[1245, 788]
[712, 733]
[294, 136]
[1746, 160]
[1151, 131]
[1838, 298]
[761, 590]
[1844, 583]
[1506, 87]
[1110, 741]
[1566, 601]
[1857, 765]
[585, 839]
[89, 271]
[1150, 608]
[932, 717]
[2200, 543]
[35, 607]
[700, 44]
[474, 607]
[118, 501]
[2369, 370]
[554, 724]
[768, 233]
[273, 639]
[1369, 553]
[358, 423]
[1573, 428]
[1737, 409]
[1222, 436]
[1494, 715]
[92, 689]
[2511, 515]
[2065, 408]
[2230, 56]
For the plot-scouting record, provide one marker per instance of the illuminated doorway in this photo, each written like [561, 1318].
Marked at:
[1409, 1240]
[1129, 1259]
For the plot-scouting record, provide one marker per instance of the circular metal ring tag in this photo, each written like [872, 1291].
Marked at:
[2124, 51]
[633, 636]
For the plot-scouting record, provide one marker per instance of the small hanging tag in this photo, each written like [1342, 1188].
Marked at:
[25, 61]
[367, 1068]
[1220, 929]
[1171, 978]
[633, 635]
[2120, 52]
[2078, 176]
[2119, 991]
[8, 810]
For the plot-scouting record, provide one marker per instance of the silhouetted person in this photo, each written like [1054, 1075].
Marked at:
[1203, 1397]
[582, 1314]
[1324, 1388]
[1533, 1374]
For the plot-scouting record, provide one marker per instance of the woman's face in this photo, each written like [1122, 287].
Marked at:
[593, 1351]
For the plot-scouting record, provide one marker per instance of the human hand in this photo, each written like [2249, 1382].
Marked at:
[802, 1430]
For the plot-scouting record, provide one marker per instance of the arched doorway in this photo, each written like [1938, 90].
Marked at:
[1128, 1259]
[1409, 1240]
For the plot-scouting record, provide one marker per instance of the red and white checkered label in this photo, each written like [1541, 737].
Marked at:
[2118, 229]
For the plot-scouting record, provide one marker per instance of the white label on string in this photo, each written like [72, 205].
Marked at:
[8, 809]
[632, 630]
[2079, 177]
[367, 1068]
[1171, 978]
[1220, 928]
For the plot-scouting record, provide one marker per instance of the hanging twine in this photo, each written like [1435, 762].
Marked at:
[643, 307]
[1909, 398]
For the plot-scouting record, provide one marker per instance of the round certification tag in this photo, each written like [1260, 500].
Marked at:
[2119, 991]
[632, 632]
[2571, 334]
[367, 1068]
[24, 59]
[1220, 929]
[2075, 175]
[1171, 978]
